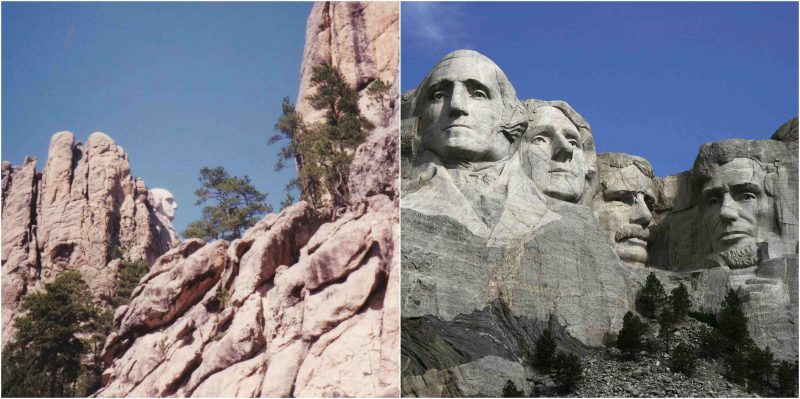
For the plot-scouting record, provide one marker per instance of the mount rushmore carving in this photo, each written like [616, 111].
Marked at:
[511, 219]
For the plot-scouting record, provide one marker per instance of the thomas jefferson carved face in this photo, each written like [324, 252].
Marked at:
[623, 205]
[736, 208]
[164, 202]
[462, 110]
[553, 155]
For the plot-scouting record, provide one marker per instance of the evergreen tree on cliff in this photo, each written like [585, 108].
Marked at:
[733, 322]
[237, 206]
[328, 147]
[681, 303]
[651, 297]
[629, 339]
[289, 127]
[45, 358]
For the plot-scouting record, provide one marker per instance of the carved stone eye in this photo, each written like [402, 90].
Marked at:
[540, 140]
[747, 197]
[712, 201]
[437, 95]
[480, 94]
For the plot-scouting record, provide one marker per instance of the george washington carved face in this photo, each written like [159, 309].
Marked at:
[468, 109]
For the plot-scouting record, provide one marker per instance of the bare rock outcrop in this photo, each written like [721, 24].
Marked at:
[297, 306]
[359, 38]
[81, 212]
[293, 308]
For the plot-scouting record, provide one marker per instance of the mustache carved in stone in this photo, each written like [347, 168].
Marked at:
[632, 231]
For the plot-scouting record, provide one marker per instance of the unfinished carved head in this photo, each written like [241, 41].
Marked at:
[164, 202]
[557, 150]
[468, 109]
[623, 204]
[735, 183]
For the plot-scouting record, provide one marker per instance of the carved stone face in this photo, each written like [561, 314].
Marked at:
[553, 155]
[736, 209]
[623, 208]
[164, 202]
[462, 111]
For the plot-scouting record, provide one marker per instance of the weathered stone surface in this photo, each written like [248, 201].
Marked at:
[299, 307]
[359, 38]
[83, 211]
[496, 222]
[19, 257]
[624, 203]
[287, 310]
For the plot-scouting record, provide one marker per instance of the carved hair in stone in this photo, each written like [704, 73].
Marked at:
[623, 204]
[557, 151]
[468, 109]
[163, 202]
[736, 187]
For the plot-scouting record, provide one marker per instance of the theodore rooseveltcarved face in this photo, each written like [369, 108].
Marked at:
[463, 106]
[623, 204]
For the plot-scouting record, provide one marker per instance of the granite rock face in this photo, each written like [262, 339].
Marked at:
[293, 308]
[511, 221]
[297, 306]
[80, 212]
[359, 38]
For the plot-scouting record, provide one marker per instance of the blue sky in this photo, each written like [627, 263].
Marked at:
[178, 85]
[655, 80]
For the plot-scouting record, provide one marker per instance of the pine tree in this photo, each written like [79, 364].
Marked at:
[567, 371]
[651, 298]
[237, 206]
[510, 390]
[289, 127]
[45, 357]
[667, 324]
[127, 279]
[736, 366]
[629, 339]
[545, 349]
[681, 303]
[732, 321]
[786, 375]
[683, 359]
[759, 367]
[327, 148]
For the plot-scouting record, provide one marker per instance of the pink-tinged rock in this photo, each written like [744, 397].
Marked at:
[84, 209]
[278, 245]
[338, 302]
[18, 238]
[167, 295]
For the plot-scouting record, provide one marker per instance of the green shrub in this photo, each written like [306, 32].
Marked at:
[786, 374]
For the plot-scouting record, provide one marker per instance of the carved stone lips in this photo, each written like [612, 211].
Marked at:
[458, 125]
[733, 235]
[633, 233]
[563, 170]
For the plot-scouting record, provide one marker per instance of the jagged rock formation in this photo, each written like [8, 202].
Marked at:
[81, 211]
[499, 236]
[297, 306]
[359, 38]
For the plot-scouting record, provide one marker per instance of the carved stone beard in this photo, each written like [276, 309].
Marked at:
[741, 257]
